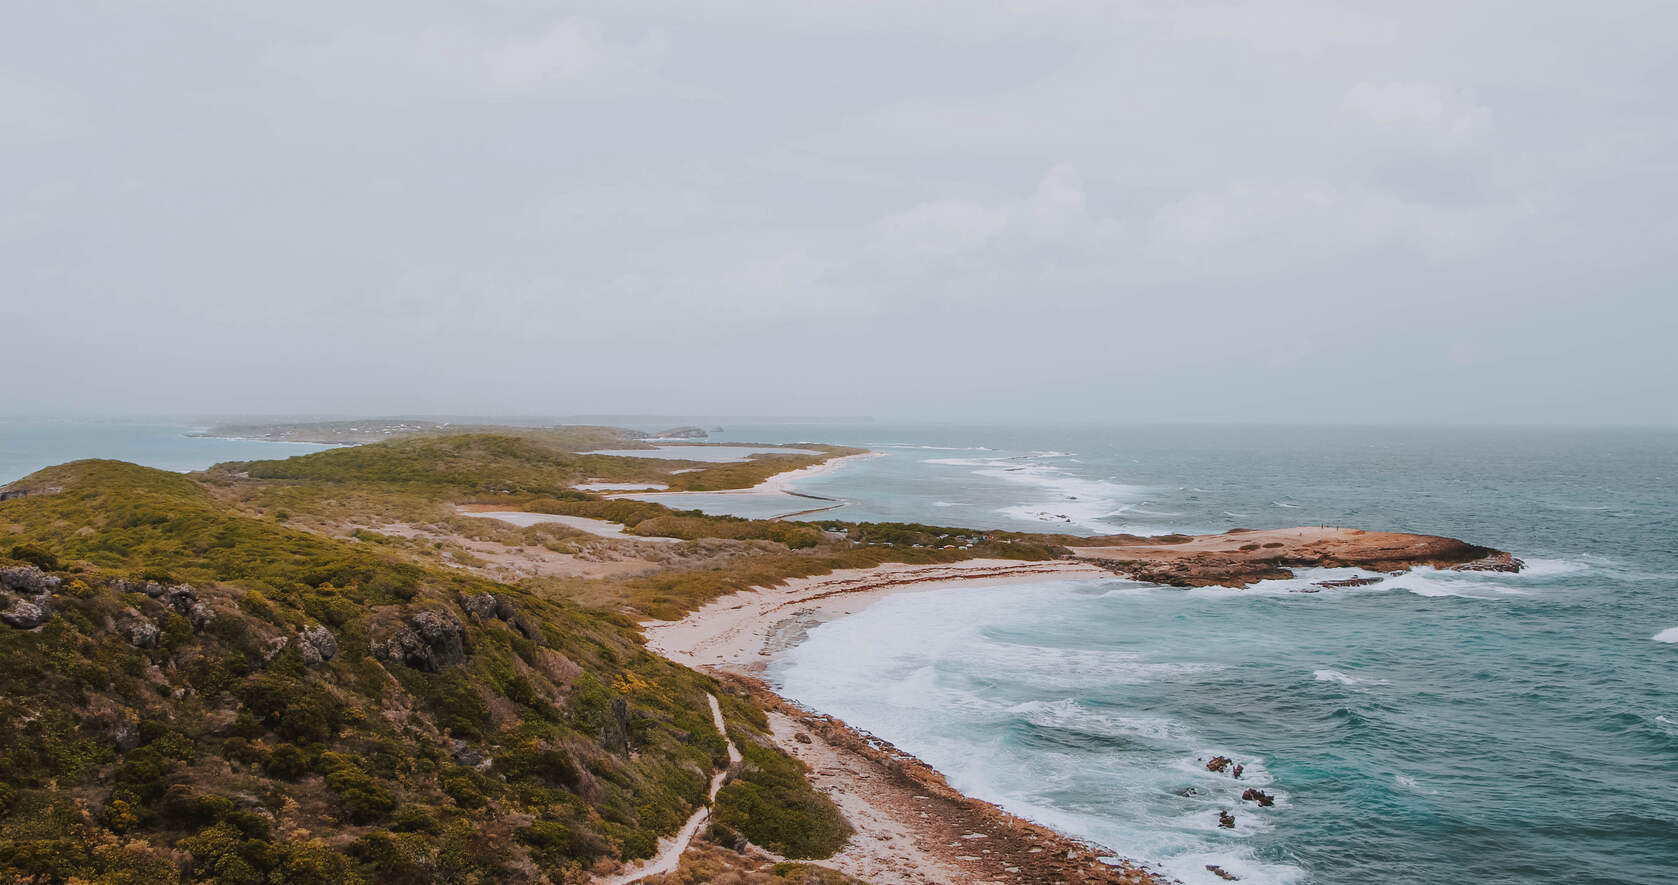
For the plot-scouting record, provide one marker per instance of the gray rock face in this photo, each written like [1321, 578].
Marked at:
[431, 641]
[139, 632]
[29, 580]
[464, 754]
[199, 614]
[180, 598]
[488, 605]
[317, 644]
[482, 605]
[25, 615]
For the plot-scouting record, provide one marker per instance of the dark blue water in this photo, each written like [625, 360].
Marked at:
[1435, 727]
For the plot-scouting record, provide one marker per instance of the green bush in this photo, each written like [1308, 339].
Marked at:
[772, 804]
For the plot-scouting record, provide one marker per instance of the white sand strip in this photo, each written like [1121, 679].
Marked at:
[598, 527]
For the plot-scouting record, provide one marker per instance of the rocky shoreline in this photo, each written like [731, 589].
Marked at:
[1243, 557]
[914, 827]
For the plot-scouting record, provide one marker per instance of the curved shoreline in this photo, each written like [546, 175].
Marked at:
[883, 790]
[912, 827]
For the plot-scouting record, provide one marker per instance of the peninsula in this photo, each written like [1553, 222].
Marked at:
[455, 657]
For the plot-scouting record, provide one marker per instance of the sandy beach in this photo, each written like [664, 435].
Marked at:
[778, 485]
[912, 828]
[742, 632]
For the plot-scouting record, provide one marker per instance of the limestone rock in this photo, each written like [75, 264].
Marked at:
[180, 598]
[26, 615]
[199, 614]
[29, 580]
[140, 632]
[464, 754]
[431, 641]
[483, 605]
[317, 644]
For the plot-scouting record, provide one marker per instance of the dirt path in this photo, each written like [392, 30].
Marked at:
[670, 850]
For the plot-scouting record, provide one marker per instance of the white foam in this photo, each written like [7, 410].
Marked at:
[1335, 676]
[1079, 502]
[1668, 635]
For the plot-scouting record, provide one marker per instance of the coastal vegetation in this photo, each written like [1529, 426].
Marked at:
[217, 695]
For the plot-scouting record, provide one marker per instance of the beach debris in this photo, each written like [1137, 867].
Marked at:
[1219, 764]
[1226, 820]
[1264, 799]
[1222, 873]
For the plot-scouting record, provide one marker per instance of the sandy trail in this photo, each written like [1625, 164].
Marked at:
[910, 827]
[670, 850]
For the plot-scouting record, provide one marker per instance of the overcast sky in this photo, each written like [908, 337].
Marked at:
[1035, 210]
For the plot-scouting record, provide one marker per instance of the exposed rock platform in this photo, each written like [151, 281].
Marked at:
[1241, 557]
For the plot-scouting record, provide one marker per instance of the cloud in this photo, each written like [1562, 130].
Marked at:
[571, 59]
[34, 112]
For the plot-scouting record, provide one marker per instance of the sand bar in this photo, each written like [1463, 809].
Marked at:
[599, 527]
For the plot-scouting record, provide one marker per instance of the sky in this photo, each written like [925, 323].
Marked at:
[1015, 211]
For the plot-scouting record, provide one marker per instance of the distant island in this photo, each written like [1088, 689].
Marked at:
[455, 653]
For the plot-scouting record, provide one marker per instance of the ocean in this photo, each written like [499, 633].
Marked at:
[1435, 727]
[29, 444]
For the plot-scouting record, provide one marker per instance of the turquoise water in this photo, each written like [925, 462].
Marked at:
[1437, 727]
[1432, 728]
[27, 445]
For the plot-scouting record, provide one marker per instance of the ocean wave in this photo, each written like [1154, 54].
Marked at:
[1285, 504]
[1346, 679]
[1668, 635]
[1078, 502]
[933, 448]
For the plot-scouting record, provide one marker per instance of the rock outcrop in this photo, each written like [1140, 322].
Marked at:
[431, 641]
[1241, 557]
[26, 615]
[316, 644]
[486, 606]
[140, 632]
[28, 580]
